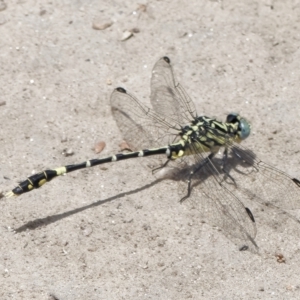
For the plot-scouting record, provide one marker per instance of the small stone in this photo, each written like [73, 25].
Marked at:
[101, 26]
[135, 30]
[126, 35]
[67, 152]
[280, 258]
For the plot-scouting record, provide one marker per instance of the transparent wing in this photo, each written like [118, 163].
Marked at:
[168, 98]
[261, 182]
[143, 127]
[217, 204]
[140, 126]
[218, 185]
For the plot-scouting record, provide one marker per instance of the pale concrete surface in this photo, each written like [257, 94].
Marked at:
[137, 241]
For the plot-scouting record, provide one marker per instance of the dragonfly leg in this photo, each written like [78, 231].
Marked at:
[193, 172]
[155, 170]
[224, 163]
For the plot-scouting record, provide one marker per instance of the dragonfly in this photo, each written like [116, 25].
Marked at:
[202, 153]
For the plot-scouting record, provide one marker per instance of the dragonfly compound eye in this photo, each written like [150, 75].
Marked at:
[244, 127]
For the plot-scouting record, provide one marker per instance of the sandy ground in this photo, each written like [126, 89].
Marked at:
[114, 232]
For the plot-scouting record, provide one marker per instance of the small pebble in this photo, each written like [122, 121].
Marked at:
[67, 152]
[135, 30]
[280, 258]
[101, 26]
[126, 35]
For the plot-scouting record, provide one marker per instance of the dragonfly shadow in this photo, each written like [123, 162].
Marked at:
[34, 224]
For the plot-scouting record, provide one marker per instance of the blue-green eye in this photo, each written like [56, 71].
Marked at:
[244, 127]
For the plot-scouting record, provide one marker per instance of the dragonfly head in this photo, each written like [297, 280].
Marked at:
[243, 126]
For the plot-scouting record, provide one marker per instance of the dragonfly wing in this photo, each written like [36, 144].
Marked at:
[168, 97]
[216, 202]
[140, 126]
[262, 182]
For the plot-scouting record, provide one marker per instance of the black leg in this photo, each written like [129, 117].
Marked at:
[192, 173]
[224, 162]
[160, 167]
